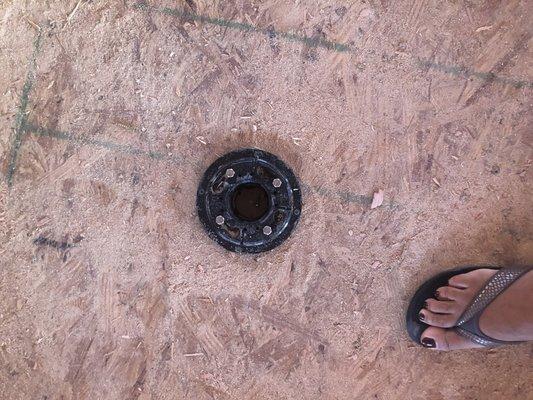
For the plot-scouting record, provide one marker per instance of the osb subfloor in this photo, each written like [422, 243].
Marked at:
[111, 111]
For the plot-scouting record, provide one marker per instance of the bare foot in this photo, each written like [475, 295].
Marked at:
[509, 317]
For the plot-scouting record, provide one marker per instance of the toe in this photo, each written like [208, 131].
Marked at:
[448, 293]
[459, 281]
[445, 339]
[434, 319]
[443, 307]
[471, 279]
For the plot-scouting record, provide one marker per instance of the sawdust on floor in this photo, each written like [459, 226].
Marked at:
[111, 290]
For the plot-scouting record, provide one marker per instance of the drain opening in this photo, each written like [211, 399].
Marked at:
[250, 202]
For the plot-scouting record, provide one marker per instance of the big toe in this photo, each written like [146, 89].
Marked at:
[445, 339]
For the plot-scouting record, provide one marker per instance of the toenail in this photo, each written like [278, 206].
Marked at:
[428, 342]
[421, 316]
[426, 305]
[437, 294]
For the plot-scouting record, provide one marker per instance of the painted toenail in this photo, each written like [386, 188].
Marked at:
[428, 342]
[437, 294]
[421, 316]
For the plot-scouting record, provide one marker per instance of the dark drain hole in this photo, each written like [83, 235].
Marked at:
[250, 202]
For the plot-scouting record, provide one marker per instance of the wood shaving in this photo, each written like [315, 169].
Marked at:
[483, 28]
[378, 199]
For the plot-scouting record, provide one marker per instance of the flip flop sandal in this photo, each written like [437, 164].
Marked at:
[468, 324]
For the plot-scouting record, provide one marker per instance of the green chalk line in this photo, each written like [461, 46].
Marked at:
[117, 147]
[330, 45]
[244, 27]
[21, 118]
[468, 73]
[130, 150]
